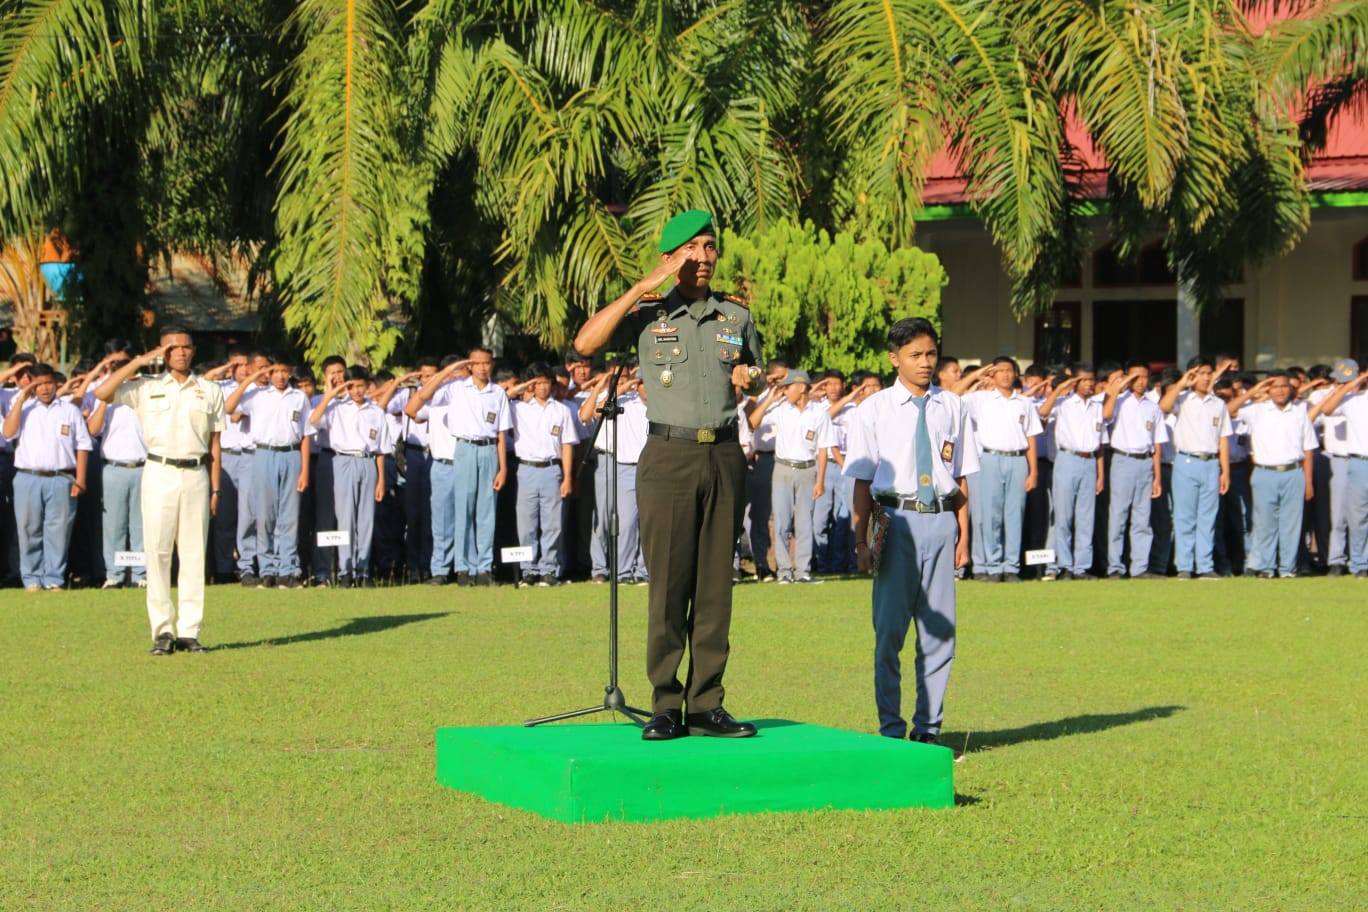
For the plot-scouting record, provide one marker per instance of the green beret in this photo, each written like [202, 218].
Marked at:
[683, 228]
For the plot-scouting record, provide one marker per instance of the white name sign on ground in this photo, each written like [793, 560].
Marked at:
[333, 539]
[1042, 556]
[130, 559]
[515, 555]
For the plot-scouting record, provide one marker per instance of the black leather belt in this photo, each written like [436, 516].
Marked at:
[179, 463]
[539, 463]
[696, 435]
[1079, 453]
[1133, 455]
[1281, 468]
[1355, 456]
[1205, 457]
[476, 441]
[125, 465]
[899, 502]
[278, 449]
[48, 473]
[443, 461]
[237, 452]
[795, 464]
[353, 455]
[1005, 452]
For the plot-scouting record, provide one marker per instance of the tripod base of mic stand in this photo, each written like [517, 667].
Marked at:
[613, 701]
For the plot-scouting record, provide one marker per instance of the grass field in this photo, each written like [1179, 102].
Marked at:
[1128, 746]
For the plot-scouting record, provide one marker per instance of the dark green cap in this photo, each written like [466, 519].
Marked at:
[683, 228]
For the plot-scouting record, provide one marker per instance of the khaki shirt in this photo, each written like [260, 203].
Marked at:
[687, 350]
[178, 419]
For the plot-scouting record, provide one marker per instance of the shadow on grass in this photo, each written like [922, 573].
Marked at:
[354, 627]
[970, 742]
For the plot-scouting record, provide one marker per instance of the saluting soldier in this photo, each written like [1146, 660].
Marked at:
[697, 347]
[182, 416]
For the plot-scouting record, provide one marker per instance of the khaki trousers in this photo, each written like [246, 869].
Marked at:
[175, 507]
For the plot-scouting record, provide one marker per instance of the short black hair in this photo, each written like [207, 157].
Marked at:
[906, 330]
[40, 369]
[356, 372]
[276, 357]
[174, 329]
[1082, 367]
[116, 345]
[1036, 370]
[302, 374]
[538, 370]
[431, 361]
[331, 360]
[1107, 368]
[1133, 363]
[23, 358]
[1199, 361]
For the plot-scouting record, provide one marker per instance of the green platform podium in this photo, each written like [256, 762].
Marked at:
[600, 772]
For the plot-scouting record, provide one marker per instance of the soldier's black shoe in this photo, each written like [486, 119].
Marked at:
[164, 646]
[719, 724]
[188, 644]
[665, 726]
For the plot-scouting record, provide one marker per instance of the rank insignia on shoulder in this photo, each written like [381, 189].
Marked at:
[736, 299]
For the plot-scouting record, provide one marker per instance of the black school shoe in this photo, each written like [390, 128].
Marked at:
[164, 646]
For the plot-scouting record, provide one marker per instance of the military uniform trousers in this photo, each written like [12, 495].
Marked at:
[690, 498]
[1279, 499]
[43, 511]
[175, 508]
[275, 477]
[759, 491]
[915, 584]
[630, 564]
[1001, 511]
[540, 511]
[442, 481]
[475, 468]
[1074, 492]
[791, 500]
[121, 501]
[353, 496]
[1132, 482]
[1196, 501]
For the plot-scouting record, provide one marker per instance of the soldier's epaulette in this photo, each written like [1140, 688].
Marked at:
[736, 299]
[648, 298]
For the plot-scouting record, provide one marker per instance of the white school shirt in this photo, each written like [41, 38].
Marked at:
[1078, 423]
[49, 436]
[800, 433]
[440, 442]
[1334, 430]
[539, 431]
[1239, 440]
[1002, 422]
[417, 433]
[474, 413]
[1199, 423]
[1278, 436]
[631, 430]
[121, 439]
[237, 435]
[357, 429]
[762, 436]
[1046, 448]
[1137, 425]
[1354, 410]
[882, 442]
[279, 417]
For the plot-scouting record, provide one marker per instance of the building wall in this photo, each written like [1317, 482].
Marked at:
[1297, 308]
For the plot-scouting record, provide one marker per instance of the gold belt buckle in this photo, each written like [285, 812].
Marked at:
[706, 435]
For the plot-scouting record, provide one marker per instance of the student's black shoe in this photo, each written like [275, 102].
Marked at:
[266, 582]
[484, 579]
[164, 646]
[437, 580]
[923, 738]
[250, 581]
[188, 644]
[290, 582]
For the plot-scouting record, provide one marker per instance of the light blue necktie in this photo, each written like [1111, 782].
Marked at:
[926, 491]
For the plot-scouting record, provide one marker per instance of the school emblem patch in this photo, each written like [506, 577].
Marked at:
[948, 451]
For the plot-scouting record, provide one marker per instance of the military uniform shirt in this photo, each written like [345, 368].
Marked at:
[49, 436]
[541, 430]
[1199, 423]
[882, 442]
[178, 420]
[1278, 436]
[279, 417]
[687, 350]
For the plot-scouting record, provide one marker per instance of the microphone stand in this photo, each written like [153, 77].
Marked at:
[613, 699]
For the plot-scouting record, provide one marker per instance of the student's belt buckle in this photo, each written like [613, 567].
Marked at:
[707, 435]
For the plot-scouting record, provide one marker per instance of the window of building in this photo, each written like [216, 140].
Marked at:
[1058, 334]
[1358, 329]
[1149, 268]
[1361, 261]
[1145, 330]
[1221, 330]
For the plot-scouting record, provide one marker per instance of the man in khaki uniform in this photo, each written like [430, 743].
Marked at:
[696, 347]
[181, 416]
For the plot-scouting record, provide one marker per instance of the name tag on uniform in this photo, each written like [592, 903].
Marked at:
[65, 431]
[667, 338]
[156, 395]
[948, 451]
[555, 430]
[489, 417]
